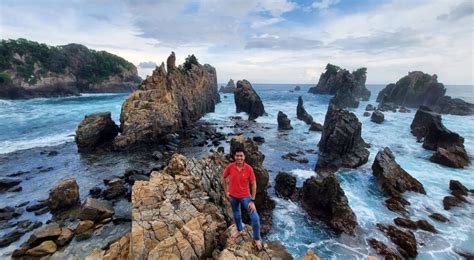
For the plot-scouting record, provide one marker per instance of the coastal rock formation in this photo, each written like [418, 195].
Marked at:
[166, 102]
[335, 79]
[341, 144]
[255, 158]
[301, 113]
[448, 146]
[285, 185]
[7, 184]
[405, 240]
[382, 249]
[94, 131]
[30, 70]
[229, 88]
[324, 199]
[297, 88]
[345, 96]
[394, 180]
[459, 191]
[377, 117]
[247, 100]
[418, 88]
[283, 122]
[317, 127]
[64, 195]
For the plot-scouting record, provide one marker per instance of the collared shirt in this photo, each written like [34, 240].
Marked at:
[239, 179]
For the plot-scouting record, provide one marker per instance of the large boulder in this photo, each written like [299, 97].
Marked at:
[341, 144]
[64, 195]
[405, 240]
[8, 183]
[166, 102]
[285, 185]
[335, 79]
[49, 232]
[95, 130]
[229, 88]
[448, 146]
[301, 113]
[324, 199]
[255, 158]
[418, 88]
[95, 210]
[247, 100]
[393, 179]
[283, 122]
[377, 117]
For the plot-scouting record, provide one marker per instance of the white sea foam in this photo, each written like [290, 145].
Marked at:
[9, 146]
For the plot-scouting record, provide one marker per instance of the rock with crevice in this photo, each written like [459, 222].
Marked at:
[284, 123]
[166, 102]
[382, 249]
[247, 100]
[95, 210]
[341, 143]
[324, 199]
[405, 240]
[95, 131]
[301, 113]
[64, 195]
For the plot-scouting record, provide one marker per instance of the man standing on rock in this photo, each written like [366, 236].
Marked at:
[237, 191]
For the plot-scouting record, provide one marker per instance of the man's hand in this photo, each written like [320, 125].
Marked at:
[227, 195]
[252, 206]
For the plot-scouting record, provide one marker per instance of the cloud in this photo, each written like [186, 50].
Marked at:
[147, 65]
[282, 43]
[100, 17]
[462, 10]
[324, 4]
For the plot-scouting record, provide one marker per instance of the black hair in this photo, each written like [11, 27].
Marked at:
[237, 149]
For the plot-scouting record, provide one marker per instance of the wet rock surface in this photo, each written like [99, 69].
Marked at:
[405, 240]
[285, 185]
[95, 131]
[382, 249]
[377, 117]
[283, 122]
[247, 100]
[64, 195]
[341, 144]
[301, 113]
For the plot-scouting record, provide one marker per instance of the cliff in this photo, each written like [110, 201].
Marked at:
[167, 101]
[29, 69]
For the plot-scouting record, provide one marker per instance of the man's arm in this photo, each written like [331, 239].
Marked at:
[254, 189]
[225, 185]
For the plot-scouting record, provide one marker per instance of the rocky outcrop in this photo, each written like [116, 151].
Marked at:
[229, 88]
[285, 185]
[64, 195]
[316, 127]
[95, 131]
[95, 210]
[301, 113]
[405, 240]
[377, 117]
[324, 199]
[283, 122]
[297, 88]
[418, 88]
[448, 146]
[61, 71]
[382, 249]
[458, 191]
[166, 102]
[9, 184]
[247, 100]
[255, 158]
[335, 79]
[341, 144]
[394, 180]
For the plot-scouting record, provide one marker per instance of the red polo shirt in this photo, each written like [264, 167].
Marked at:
[239, 180]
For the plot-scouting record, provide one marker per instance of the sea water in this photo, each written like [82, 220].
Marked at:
[42, 125]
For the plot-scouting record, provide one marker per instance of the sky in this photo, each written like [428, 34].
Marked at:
[263, 41]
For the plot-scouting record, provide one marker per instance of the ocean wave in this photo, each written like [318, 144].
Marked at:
[9, 146]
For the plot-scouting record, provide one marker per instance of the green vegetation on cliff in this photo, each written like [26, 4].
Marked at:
[30, 60]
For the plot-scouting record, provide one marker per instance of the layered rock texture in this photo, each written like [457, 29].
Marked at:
[448, 146]
[229, 88]
[64, 195]
[30, 69]
[283, 122]
[167, 101]
[394, 180]
[95, 131]
[255, 158]
[247, 100]
[341, 144]
[418, 88]
[347, 87]
[324, 199]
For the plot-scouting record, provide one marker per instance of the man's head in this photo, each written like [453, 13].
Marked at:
[239, 155]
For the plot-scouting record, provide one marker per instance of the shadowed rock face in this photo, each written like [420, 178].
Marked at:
[405, 240]
[418, 88]
[301, 113]
[285, 185]
[247, 100]
[341, 144]
[229, 88]
[335, 79]
[324, 199]
[166, 102]
[394, 180]
[448, 146]
[283, 122]
[94, 131]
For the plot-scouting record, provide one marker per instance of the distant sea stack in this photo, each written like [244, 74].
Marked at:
[336, 80]
[247, 100]
[419, 88]
[29, 70]
[229, 88]
[167, 102]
